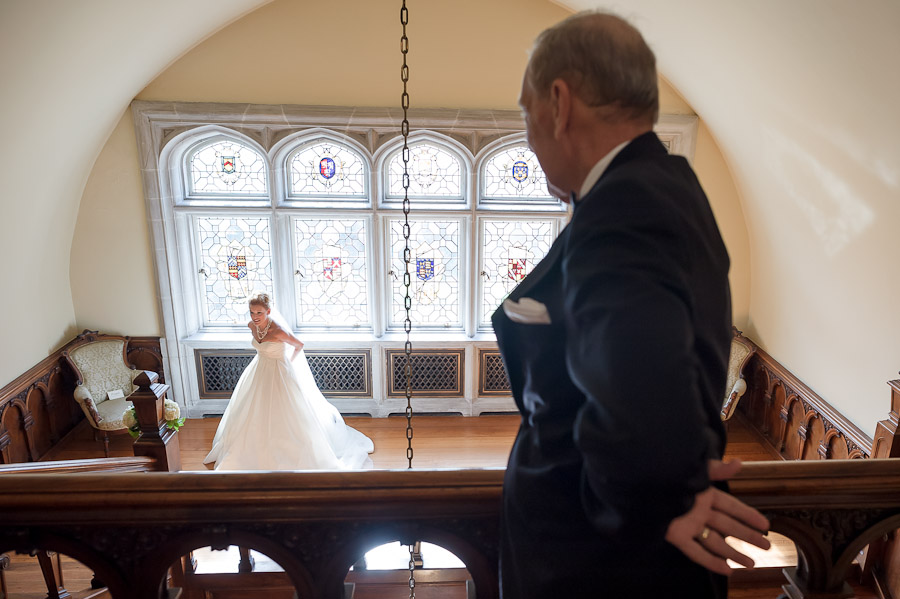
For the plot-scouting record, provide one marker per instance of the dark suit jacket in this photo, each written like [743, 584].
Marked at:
[620, 394]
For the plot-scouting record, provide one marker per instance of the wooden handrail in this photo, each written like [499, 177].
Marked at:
[126, 464]
[827, 483]
[130, 528]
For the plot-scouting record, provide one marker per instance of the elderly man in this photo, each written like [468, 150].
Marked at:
[616, 345]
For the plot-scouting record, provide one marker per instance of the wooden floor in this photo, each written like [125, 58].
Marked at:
[438, 442]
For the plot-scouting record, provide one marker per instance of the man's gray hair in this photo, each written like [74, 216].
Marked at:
[603, 59]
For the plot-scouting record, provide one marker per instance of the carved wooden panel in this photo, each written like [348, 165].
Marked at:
[14, 443]
[64, 411]
[795, 421]
[144, 354]
[887, 432]
[36, 404]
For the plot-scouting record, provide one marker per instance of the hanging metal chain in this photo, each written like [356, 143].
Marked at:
[412, 569]
[407, 279]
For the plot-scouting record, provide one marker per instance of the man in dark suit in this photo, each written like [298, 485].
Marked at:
[616, 345]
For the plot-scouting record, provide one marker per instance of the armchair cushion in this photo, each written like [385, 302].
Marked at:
[103, 368]
[111, 414]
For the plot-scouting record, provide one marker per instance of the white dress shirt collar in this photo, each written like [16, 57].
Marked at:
[595, 173]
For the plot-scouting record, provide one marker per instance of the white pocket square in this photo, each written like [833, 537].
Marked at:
[526, 311]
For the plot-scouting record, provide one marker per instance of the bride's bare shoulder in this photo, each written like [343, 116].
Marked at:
[277, 333]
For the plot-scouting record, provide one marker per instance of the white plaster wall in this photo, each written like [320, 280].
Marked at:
[68, 71]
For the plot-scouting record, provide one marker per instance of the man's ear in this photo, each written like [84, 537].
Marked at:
[561, 105]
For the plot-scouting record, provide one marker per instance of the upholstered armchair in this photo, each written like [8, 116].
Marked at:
[735, 386]
[100, 364]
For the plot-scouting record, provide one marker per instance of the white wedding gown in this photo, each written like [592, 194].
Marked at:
[278, 419]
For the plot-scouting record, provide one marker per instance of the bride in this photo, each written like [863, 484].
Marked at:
[277, 419]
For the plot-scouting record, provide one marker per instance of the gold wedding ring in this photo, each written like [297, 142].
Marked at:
[704, 534]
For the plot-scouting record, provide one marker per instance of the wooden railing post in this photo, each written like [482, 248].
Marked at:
[156, 440]
[887, 437]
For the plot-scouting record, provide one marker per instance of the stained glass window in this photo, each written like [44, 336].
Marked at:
[327, 168]
[235, 261]
[511, 249]
[332, 277]
[514, 172]
[434, 273]
[227, 167]
[433, 172]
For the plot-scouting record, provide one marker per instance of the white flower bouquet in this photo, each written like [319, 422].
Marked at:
[171, 412]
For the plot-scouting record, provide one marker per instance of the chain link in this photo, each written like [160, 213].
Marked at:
[412, 569]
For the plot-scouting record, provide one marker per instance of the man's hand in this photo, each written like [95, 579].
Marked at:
[700, 533]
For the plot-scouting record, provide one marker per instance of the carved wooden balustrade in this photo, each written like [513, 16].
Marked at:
[800, 425]
[130, 528]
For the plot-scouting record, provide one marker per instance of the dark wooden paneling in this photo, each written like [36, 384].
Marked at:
[36, 404]
[796, 422]
[144, 354]
[15, 446]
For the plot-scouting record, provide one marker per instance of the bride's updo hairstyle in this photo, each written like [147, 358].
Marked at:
[261, 299]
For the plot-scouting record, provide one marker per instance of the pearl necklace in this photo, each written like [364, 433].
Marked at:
[262, 333]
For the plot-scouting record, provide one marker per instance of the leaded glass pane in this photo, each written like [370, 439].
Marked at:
[236, 260]
[433, 172]
[332, 283]
[511, 250]
[514, 172]
[227, 167]
[327, 168]
[434, 273]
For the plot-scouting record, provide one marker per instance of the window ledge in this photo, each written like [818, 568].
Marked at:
[241, 339]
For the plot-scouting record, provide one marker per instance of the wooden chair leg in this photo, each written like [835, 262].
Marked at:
[102, 436]
[51, 568]
[247, 562]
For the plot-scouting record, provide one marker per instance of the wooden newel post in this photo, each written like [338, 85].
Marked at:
[887, 432]
[156, 440]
